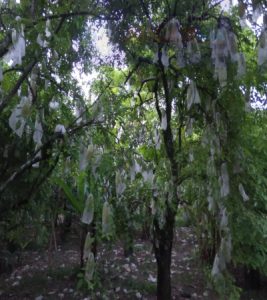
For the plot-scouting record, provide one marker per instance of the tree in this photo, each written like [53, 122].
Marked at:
[167, 45]
[38, 92]
[42, 107]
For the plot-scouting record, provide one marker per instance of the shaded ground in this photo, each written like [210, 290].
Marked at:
[53, 275]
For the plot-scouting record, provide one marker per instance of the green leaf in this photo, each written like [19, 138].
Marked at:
[74, 201]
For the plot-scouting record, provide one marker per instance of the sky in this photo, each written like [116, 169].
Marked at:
[101, 42]
[226, 4]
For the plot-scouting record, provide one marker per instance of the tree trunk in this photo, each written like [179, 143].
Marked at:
[162, 244]
[163, 235]
[252, 279]
[84, 230]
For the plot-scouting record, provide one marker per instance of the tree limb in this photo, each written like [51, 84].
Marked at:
[4, 44]
[14, 90]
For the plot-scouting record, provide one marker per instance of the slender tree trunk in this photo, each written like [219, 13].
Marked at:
[94, 236]
[162, 243]
[163, 236]
[84, 230]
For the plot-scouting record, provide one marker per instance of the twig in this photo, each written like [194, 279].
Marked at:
[14, 90]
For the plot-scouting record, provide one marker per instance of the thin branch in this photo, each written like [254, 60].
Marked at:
[21, 170]
[4, 44]
[131, 72]
[15, 69]
[73, 14]
[2, 23]
[157, 100]
[56, 136]
[143, 82]
[60, 24]
[145, 9]
[14, 90]
[35, 158]
[35, 186]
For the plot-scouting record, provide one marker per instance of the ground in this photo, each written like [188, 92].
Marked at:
[54, 274]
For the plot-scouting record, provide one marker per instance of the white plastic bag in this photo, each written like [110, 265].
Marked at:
[38, 131]
[163, 124]
[88, 212]
[225, 186]
[243, 192]
[192, 95]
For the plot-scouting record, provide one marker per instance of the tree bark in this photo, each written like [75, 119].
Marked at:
[162, 244]
[163, 235]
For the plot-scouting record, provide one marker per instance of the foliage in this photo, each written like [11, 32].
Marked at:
[171, 127]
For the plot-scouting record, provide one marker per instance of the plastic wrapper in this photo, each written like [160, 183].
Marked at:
[17, 119]
[88, 212]
[226, 247]
[191, 156]
[262, 48]
[218, 266]
[211, 170]
[132, 173]
[120, 185]
[193, 51]
[17, 51]
[221, 43]
[180, 58]
[257, 12]
[223, 219]
[83, 160]
[47, 29]
[38, 131]
[225, 186]
[87, 246]
[38, 155]
[164, 58]
[40, 40]
[241, 65]
[153, 207]
[148, 176]
[232, 46]
[106, 218]
[163, 124]
[220, 72]
[174, 37]
[172, 34]
[14, 36]
[242, 192]
[60, 129]
[54, 105]
[89, 267]
[211, 203]
[190, 127]
[192, 95]
[157, 139]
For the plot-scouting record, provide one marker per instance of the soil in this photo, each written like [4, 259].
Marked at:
[55, 274]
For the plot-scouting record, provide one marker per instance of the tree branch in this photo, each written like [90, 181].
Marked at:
[4, 44]
[14, 90]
